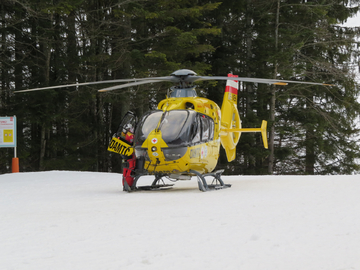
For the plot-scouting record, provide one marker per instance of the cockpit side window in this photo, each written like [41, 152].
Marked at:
[211, 129]
[207, 128]
[196, 130]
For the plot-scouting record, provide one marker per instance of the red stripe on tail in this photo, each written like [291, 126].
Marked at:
[232, 86]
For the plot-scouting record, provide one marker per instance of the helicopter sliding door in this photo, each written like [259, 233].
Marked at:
[204, 151]
[202, 129]
[207, 128]
[127, 125]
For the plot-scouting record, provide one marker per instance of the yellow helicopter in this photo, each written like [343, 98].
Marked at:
[182, 137]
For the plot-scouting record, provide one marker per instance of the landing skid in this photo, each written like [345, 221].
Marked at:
[216, 184]
[156, 185]
[159, 184]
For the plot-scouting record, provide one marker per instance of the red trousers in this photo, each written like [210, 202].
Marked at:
[127, 172]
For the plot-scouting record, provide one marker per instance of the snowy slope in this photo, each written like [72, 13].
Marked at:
[83, 220]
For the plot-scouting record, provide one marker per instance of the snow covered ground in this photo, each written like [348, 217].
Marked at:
[83, 220]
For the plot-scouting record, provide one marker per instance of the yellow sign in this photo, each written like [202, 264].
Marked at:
[8, 131]
[8, 136]
[120, 147]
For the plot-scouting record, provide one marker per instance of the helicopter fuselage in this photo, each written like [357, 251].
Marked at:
[182, 135]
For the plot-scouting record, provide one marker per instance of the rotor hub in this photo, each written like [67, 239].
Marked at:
[183, 72]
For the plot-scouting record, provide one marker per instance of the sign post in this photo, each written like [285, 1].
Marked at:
[8, 138]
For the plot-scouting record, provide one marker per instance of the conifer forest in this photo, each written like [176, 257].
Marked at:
[311, 129]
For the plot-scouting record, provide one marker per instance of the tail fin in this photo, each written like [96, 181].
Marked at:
[230, 118]
[230, 121]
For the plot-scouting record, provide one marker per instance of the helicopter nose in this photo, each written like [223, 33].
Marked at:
[154, 144]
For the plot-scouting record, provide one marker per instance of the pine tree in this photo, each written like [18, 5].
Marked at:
[315, 115]
[60, 42]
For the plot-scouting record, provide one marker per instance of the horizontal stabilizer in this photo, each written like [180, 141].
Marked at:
[262, 129]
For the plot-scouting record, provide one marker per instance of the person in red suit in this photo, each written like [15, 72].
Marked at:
[130, 162]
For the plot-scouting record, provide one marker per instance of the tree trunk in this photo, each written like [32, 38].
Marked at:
[249, 159]
[46, 55]
[273, 98]
[42, 148]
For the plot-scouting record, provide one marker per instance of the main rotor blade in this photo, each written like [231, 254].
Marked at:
[167, 78]
[254, 80]
[128, 85]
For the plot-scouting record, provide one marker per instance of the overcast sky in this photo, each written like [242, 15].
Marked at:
[352, 22]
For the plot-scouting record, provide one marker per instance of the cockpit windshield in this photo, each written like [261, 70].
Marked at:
[147, 124]
[177, 126]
